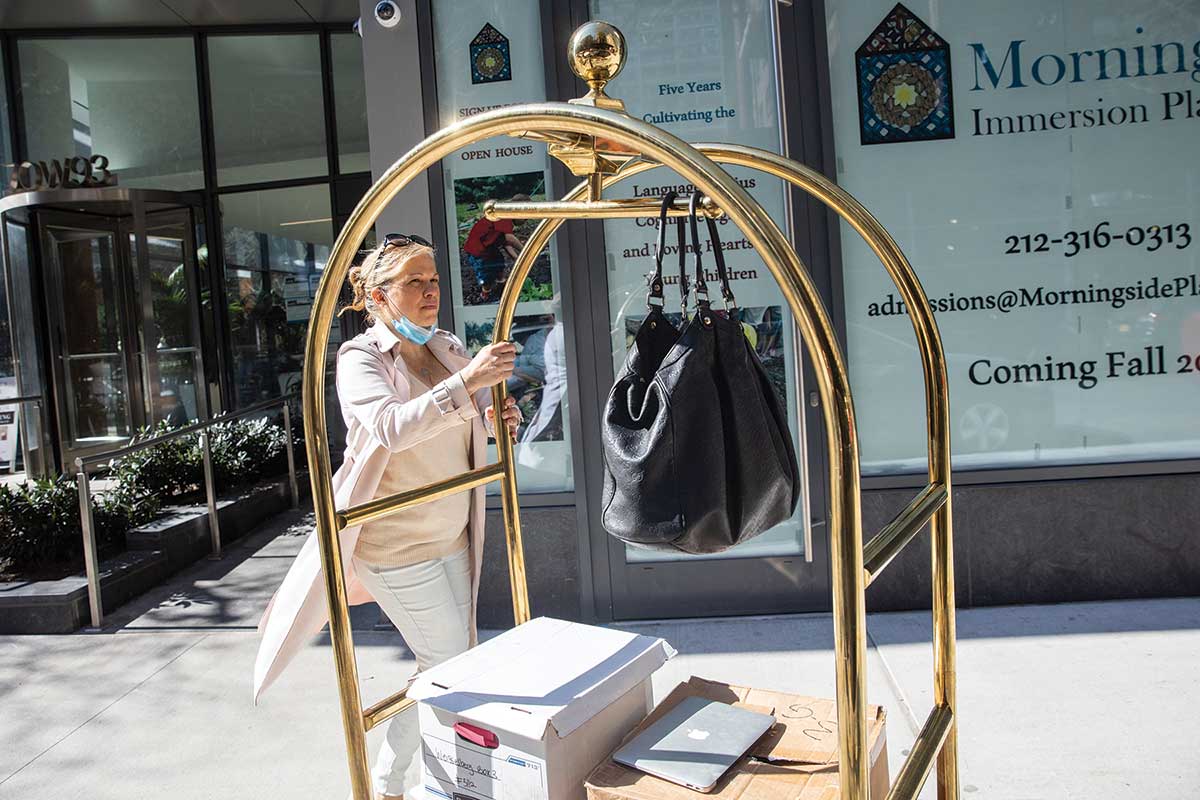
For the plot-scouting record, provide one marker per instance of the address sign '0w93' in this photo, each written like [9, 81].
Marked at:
[73, 172]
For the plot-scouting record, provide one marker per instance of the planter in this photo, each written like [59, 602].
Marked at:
[61, 606]
[154, 552]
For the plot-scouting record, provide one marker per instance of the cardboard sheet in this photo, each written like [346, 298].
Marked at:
[796, 760]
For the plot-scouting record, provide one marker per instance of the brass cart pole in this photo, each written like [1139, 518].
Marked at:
[575, 131]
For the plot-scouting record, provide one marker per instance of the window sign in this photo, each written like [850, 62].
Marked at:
[1038, 165]
[489, 55]
[704, 70]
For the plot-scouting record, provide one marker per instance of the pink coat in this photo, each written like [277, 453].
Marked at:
[382, 418]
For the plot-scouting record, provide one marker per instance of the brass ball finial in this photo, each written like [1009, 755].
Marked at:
[596, 53]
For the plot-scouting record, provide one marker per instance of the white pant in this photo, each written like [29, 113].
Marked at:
[430, 603]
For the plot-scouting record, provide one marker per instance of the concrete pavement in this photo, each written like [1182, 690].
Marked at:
[1069, 701]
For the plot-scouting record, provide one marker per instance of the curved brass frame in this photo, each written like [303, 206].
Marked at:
[851, 569]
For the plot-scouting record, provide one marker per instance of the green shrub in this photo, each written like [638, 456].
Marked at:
[243, 451]
[536, 291]
[39, 520]
[247, 450]
[167, 469]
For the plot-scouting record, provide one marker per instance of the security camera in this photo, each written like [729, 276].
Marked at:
[387, 14]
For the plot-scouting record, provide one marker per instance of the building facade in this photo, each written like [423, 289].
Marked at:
[1038, 165]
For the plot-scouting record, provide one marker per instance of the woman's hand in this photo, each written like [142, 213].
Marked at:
[493, 364]
[511, 416]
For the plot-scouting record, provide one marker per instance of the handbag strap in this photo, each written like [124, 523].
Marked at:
[722, 271]
[684, 289]
[656, 280]
[718, 257]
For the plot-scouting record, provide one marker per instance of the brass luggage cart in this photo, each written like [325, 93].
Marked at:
[598, 141]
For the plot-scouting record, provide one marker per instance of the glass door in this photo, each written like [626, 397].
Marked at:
[706, 70]
[166, 308]
[98, 393]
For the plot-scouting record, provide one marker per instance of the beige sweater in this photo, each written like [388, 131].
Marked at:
[431, 530]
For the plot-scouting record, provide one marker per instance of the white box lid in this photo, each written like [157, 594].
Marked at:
[547, 672]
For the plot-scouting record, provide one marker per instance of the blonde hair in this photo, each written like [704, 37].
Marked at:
[379, 268]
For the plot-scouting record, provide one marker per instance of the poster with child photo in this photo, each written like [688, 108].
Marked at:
[488, 249]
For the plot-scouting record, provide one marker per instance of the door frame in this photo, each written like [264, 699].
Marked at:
[130, 264]
[139, 224]
[57, 316]
[86, 206]
[696, 588]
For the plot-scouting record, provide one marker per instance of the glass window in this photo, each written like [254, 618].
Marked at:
[87, 266]
[277, 243]
[350, 102]
[704, 71]
[20, 296]
[8, 374]
[6, 150]
[28, 357]
[496, 59]
[169, 323]
[1045, 192]
[132, 100]
[268, 107]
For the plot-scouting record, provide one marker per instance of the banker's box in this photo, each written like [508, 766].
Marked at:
[796, 760]
[528, 714]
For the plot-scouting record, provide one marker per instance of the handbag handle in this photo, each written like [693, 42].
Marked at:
[656, 281]
[718, 256]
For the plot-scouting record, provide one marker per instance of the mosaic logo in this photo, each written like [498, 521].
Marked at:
[490, 60]
[904, 89]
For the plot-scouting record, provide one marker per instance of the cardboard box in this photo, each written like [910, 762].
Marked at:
[528, 714]
[796, 760]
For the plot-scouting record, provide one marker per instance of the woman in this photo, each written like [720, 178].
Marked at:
[412, 399]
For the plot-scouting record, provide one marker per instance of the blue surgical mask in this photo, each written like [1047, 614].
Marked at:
[403, 325]
[411, 331]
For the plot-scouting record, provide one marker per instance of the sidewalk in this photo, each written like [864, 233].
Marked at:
[1090, 700]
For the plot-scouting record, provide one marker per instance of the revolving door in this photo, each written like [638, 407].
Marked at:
[104, 298]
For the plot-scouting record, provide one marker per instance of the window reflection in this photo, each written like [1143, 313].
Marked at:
[100, 391]
[350, 102]
[539, 385]
[268, 107]
[176, 401]
[82, 96]
[6, 149]
[276, 245]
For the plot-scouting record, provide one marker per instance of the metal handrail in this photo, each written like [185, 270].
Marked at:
[194, 427]
[84, 464]
[26, 398]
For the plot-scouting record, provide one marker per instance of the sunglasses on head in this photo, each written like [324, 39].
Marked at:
[402, 239]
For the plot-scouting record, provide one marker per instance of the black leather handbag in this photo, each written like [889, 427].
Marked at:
[697, 452]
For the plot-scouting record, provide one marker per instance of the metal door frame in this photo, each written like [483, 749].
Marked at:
[130, 266]
[85, 209]
[57, 318]
[139, 224]
[612, 587]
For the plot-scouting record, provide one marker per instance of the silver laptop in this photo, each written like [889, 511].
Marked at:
[695, 743]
